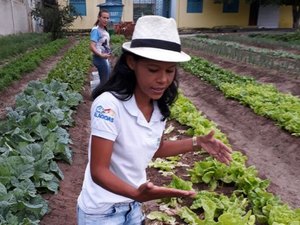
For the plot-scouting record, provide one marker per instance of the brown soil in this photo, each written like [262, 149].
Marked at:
[273, 151]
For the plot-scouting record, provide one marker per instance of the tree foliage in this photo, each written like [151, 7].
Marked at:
[56, 18]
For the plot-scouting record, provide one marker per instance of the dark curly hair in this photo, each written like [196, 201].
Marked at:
[123, 81]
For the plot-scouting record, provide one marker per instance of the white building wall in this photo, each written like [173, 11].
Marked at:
[21, 17]
[6, 18]
[14, 17]
[268, 16]
[173, 10]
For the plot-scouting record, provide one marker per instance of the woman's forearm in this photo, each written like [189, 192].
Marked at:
[172, 148]
[109, 181]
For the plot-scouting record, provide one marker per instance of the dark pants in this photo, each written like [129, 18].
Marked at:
[103, 67]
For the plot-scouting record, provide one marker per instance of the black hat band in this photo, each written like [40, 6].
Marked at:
[154, 43]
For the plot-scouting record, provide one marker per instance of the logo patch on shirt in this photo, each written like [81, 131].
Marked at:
[105, 114]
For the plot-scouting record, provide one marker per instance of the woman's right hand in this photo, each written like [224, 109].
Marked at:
[105, 55]
[148, 191]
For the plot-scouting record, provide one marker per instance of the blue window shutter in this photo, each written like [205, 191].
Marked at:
[80, 6]
[194, 6]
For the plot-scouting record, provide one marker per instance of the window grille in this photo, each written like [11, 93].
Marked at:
[231, 6]
[79, 6]
[194, 6]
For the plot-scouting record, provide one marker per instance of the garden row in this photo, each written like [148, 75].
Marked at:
[284, 38]
[267, 58]
[34, 136]
[288, 41]
[264, 99]
[27, 62]
[249, 203]
[14, 45]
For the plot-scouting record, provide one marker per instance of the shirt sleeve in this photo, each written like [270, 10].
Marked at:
[104, 117]
[95, 35]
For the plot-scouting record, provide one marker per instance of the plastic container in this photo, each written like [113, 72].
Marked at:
[115, 8]
[95, 75]
[94, 84]
[95, 80]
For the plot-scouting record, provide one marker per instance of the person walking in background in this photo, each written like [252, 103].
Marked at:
[128, 118]
[99, 46]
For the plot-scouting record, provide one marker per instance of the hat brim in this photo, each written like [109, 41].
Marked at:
[157, 53]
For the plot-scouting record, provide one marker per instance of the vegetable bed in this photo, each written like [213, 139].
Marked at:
[269, 148]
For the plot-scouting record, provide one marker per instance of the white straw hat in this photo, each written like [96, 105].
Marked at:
[157, 38]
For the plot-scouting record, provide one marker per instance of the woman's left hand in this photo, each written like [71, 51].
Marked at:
[215, 147]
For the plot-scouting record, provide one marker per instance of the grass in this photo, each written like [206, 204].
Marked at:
[16, 44]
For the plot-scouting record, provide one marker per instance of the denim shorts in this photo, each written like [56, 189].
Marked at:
[118, 214]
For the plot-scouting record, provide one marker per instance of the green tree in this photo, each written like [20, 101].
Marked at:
[56, 18]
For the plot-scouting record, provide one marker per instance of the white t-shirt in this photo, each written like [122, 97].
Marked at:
[101, 37]
[135, 143]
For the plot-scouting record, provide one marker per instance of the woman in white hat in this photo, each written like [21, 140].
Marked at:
[128, 118]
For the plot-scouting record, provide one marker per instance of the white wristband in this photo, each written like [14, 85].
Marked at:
[194, 140]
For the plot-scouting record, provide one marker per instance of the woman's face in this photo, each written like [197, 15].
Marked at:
[103, 19]
[153, 77]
